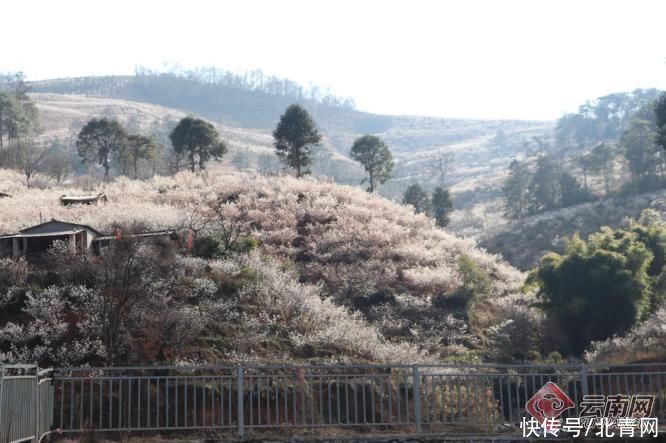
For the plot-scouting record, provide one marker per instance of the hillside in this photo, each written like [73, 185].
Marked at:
[413, 140]
[61, 116]
[523, 242]
[398, 276]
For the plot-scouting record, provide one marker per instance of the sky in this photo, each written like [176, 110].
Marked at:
[509, 59]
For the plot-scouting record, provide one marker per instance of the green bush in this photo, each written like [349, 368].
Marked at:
[601, 287]
[206, 247]
[475, 285]
[247, 244]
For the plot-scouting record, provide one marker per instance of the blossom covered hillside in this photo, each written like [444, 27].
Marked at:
[393, 271]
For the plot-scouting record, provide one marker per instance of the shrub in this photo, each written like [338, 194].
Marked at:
[13, 272]
[597, 289]
[247, 244]
[476, 285]
[644, 343]
[206, 247]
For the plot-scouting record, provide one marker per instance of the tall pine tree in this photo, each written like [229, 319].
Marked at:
[295, 136]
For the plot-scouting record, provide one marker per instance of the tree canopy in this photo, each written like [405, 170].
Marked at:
[602, 119]
[295, 136]
[197, 139]
[139, 147]
[441, 206]
[548, 187]
[604, 286]
[376, 158]
[99, 139]
[660, 115]
[416, 196]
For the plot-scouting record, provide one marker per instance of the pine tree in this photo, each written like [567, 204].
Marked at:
[197, 139]
[295, 136]
[441, 206]
[602, 161]
[516, 190]
[544, 188]
[418, 198]
[640, 150]
[571, 192]
[99, 139]
[660, 117]
[376, 158]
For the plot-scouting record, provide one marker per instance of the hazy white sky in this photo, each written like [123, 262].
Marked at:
[489, 59]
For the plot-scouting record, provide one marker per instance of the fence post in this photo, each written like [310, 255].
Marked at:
[583, 379]
[37, 400]
[2, 385]
[417, 398]
[40, 407]
[240, 406]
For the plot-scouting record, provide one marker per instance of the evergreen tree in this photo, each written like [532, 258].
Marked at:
[295, 136]
[545, 185]
[441, 206]
[197, 139]
[516, 190]
[138, 147]
[99, 139]
[8, 113]
[376, 158]
[418, 198]
[571, 192]
[603, 156]
[586, 162]
[660, 117]
[640, 150]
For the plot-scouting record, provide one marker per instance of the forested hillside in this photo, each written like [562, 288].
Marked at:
[605, 165]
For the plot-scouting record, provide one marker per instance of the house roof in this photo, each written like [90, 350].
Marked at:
[138, 235]
[43, 234]
[55, 227]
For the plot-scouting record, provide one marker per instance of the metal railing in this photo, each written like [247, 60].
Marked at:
[453, 399]
[26, 403]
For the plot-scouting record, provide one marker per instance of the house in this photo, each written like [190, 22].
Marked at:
[82, 239]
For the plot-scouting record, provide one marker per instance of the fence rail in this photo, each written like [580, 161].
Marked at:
[395, 398]
[444, 399]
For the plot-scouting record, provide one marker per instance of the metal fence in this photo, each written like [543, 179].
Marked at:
[26, 403]
[364, 399]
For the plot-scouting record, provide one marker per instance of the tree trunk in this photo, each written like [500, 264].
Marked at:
[192, 160]
[585, 178]
[135, 174]
[202, 164]
[607, 181]
[106, 168]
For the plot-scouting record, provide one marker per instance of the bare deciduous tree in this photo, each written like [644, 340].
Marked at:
[441, 166]
[30, 157]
